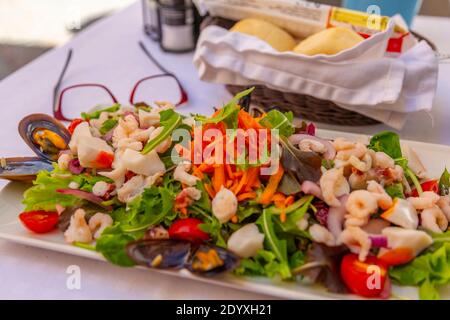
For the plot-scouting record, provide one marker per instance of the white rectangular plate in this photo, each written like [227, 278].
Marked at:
[434, 157]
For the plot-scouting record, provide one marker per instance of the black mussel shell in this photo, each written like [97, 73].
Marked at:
[210, 260]
[22, 168]
[45, 135]
[162, 254]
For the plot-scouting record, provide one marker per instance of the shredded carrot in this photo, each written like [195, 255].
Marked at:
[218, 179]
[289, 200]
[183, 185]
[246, 121]
[234, 219]
[229, 184]
[229, 171]
[246, 195]
[210, 190]
[253, 173]
[204, 167]
[197, 172]
[241, 183]
[184, 211]
[238, 174]
[272, 185]
[283, 216]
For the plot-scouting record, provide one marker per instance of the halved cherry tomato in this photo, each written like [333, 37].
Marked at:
[366, 278]
[104, 160]
[39, 221]
[187, 229]
[432, 185]
[74, 124]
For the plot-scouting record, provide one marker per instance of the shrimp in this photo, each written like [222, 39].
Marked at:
[63, 161]
[308, 145]
[98, 223]
[187, 197]
[224, 205]
[311, 188]
[357, 241]
[426, 201]
[361, 204]
[303, 223]
[333, 185]
[363, 165]
[383, 199]
[129, 123]
[383, 161]
[100, 188]
[345, 149]
[78, 230]
[358, 180]
[321, 234]
[444, 205]
[434, 220]
[181, 174]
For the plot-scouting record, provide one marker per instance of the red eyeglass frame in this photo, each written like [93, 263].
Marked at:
[57, 102]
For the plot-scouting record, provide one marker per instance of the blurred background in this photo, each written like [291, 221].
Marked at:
[28, 28]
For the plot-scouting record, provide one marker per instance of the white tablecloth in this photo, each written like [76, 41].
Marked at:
[108, 53]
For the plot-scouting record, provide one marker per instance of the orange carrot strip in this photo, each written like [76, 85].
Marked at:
[245, 196]
[184, 211]
[229, 171]
[238, 174]
[283, 216]
[241, 183]
[197, 172]
[272, 185]
[229, 184]
[218, 179]
[210, 190]
[289, 200]
[234, 219]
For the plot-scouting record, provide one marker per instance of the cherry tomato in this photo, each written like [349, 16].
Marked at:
[104, 160]
[74, 124]
[187, 229]
[366, 278]
[432, 185]
[39, 221]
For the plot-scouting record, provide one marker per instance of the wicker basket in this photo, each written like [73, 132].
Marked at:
[303, 106]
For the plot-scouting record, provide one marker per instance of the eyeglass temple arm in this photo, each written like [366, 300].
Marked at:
[148, 54]
[61, 77]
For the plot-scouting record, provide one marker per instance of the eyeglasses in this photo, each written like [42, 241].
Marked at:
[164, 86]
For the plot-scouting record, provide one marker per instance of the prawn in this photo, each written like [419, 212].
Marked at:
[99, 222]
[434, 220]
[334, 185]
[357, 241]
[78, 230]
[426, 201]
[320, 234]
[383, 199]
[181, 174]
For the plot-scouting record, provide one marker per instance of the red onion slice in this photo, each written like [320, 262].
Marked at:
[85, 196]
[311, 129]
[378, 241]
[328, 155]
[75, 166]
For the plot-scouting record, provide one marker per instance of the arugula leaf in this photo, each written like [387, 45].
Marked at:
[387, 142]
[290, 225]
[214, 228]
[108, 125]
[170, 120]
[277, 246]
[247, 210]
[444, 183]
[395, 191]
[429, 271]
[297, 259]
[275, 119]
[96, 114]
[112, 243]
[228, 113]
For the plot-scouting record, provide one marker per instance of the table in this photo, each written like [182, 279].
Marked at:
[107, 53]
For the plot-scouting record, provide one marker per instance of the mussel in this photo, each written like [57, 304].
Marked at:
[22, 168]
[46, 137]
[177, 254]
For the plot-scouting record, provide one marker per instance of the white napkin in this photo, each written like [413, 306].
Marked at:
[361, 79]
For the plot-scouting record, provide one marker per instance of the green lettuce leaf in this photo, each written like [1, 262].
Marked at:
[428, 271]
[444, 183]
[265, 263]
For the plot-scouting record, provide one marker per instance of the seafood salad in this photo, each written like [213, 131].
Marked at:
[241, 191]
